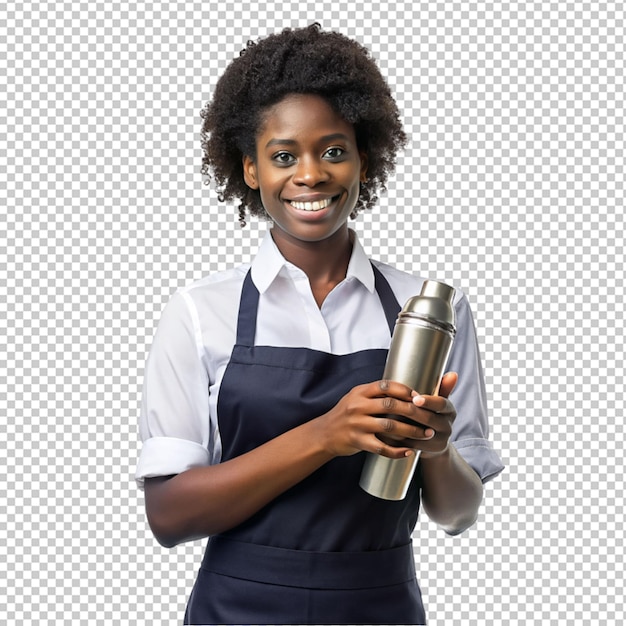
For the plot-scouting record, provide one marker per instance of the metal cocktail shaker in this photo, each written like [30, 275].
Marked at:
[420, 346]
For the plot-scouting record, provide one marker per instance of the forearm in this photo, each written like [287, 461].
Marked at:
[207, 500]
[451, 490]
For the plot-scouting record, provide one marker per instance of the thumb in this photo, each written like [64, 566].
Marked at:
[448, 382]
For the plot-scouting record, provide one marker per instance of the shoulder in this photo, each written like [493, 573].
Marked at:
[406, 285]
[214, 293]
[217, 282]
[210, 301]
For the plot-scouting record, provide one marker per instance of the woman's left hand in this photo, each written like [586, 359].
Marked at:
[438, 414]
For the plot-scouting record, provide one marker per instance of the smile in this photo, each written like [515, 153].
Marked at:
[312, 206]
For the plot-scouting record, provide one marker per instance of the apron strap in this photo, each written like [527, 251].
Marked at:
[249, 304]
[387, 298]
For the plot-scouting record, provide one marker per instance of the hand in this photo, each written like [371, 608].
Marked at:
[356, 421]
[437, 414]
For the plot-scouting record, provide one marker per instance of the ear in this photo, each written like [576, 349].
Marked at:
[249, 172]
[363, 177]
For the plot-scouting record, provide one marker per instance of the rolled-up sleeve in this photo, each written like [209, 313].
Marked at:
[471, 428]
[174, 419]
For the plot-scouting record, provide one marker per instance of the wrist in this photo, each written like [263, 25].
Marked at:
[441, 455]
[320, 438]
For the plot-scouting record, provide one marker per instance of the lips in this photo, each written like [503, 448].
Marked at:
[315, 205]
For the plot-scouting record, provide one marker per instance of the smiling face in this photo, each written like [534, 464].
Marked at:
[307, 169]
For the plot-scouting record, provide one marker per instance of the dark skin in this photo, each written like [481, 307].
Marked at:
[308, 169]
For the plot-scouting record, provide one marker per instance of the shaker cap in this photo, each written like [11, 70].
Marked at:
[433, 304]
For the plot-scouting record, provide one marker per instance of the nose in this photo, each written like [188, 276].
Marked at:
[310, 172]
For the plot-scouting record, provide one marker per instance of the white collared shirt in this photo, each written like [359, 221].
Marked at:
[196, 334]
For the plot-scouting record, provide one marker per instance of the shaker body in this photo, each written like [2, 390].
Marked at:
[417, 357]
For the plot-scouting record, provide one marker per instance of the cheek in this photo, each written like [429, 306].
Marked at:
[270, 194]
[270, 188]
[355, 187]
[270, 179]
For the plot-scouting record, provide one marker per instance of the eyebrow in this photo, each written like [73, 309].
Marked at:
[293, 142]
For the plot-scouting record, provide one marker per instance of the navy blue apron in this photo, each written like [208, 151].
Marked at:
[323, 552]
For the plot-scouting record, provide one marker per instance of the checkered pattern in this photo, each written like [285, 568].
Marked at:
[513, 188]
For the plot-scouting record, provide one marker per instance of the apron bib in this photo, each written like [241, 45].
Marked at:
[324, 551]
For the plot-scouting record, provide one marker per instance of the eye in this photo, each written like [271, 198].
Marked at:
[334, 153]
[283, 158]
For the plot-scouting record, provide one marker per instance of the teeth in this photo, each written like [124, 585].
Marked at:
[311, 206]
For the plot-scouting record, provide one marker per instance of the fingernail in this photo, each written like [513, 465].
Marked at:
[418, 400]
[429, 432]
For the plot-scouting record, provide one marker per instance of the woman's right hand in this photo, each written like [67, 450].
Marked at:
[208, 500]
[362, 421]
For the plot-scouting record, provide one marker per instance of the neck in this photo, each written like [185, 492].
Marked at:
[322, 261]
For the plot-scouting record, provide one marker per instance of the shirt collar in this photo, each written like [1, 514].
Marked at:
[269, 262]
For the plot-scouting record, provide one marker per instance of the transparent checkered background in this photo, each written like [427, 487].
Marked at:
[513, 188]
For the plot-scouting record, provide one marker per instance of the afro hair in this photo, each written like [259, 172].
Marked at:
[302, 61]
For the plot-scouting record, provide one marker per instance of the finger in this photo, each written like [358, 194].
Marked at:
[376, 446]
[434, 404]
[393, 430]
[392, 388]
[448, 382]
[388, 406]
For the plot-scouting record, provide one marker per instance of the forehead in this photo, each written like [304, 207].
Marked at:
[302, 116]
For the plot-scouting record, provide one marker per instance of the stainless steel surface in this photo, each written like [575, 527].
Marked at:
[420, 346]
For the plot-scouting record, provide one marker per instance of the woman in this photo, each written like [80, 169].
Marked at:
[263, 387]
